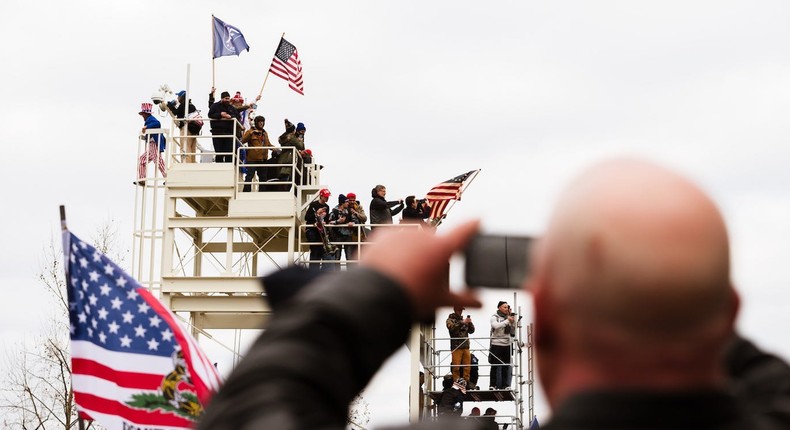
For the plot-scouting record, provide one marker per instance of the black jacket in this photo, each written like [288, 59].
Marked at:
[382, 211]
[220, 125]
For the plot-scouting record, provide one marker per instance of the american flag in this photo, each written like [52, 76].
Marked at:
[133, 366]
[442, 194]
[286, 65]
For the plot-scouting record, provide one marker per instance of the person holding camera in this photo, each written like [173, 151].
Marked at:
[416, 211]
[382, 211]
[341, 216]
[503, 323]
[257, 140]
[292, 138]
[460, 328]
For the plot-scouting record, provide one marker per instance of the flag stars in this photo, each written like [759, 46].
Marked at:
[97, 256]
[82, 318]
[87, 309]
[81, 294]
[83, 262]
[116, 303]
[121, 281]
[94, 323]
[126, 341]
[105, 290]
[114, 327]
[93, 299]
[85, 285]
[153, 345]
[94, 275]
[72, 258]
[72, 329]
[90, 332]
[143, 308]
[154, 321]
[167, 335]
[108, 269]
[127, 317]
[103, 313]
[83, 245]
[132, 295]
[102, 337]
[139, 331]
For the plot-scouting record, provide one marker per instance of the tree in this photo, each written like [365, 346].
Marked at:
[37, 383]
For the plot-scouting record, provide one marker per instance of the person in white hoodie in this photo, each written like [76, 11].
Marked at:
[502, 325]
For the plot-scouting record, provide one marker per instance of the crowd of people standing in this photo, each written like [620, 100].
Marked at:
[234, 127]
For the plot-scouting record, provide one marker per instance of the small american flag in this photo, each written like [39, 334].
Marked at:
[286, 65]
[442, 194]
[132, 364]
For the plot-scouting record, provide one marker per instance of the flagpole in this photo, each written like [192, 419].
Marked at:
[66, 244]
[270, 68]
[213, 43]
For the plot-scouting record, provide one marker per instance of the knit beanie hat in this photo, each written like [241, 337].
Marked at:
[300, 126]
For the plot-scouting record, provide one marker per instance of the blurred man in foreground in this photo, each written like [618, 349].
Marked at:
[634, 304]
[633, 308]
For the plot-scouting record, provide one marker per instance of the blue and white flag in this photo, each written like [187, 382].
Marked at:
[228, 39]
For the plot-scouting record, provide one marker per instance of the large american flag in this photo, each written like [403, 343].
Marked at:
[286, 65]
[133, 366]
[439, 196]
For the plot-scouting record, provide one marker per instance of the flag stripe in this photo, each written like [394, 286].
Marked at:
[105, 389]
[104, 407]
[120, 378]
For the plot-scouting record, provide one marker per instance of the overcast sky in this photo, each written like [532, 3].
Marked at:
[408, 94]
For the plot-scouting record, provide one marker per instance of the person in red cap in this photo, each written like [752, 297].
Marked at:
[357, 210]
[315, 218]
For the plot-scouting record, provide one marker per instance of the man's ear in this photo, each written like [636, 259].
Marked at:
[543, 327]
[734, 306]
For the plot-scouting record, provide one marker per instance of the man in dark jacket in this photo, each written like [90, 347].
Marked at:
[382, 211]
[460, 328]
[415, 211]
[223, 126]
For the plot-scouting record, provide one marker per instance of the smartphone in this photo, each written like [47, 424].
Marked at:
[497, 261]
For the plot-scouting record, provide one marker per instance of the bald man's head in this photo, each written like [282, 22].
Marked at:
[635, 256]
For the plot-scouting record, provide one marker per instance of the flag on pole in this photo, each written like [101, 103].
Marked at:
[133, 366]
[286, 65]
[442, 194]
[228, 39]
